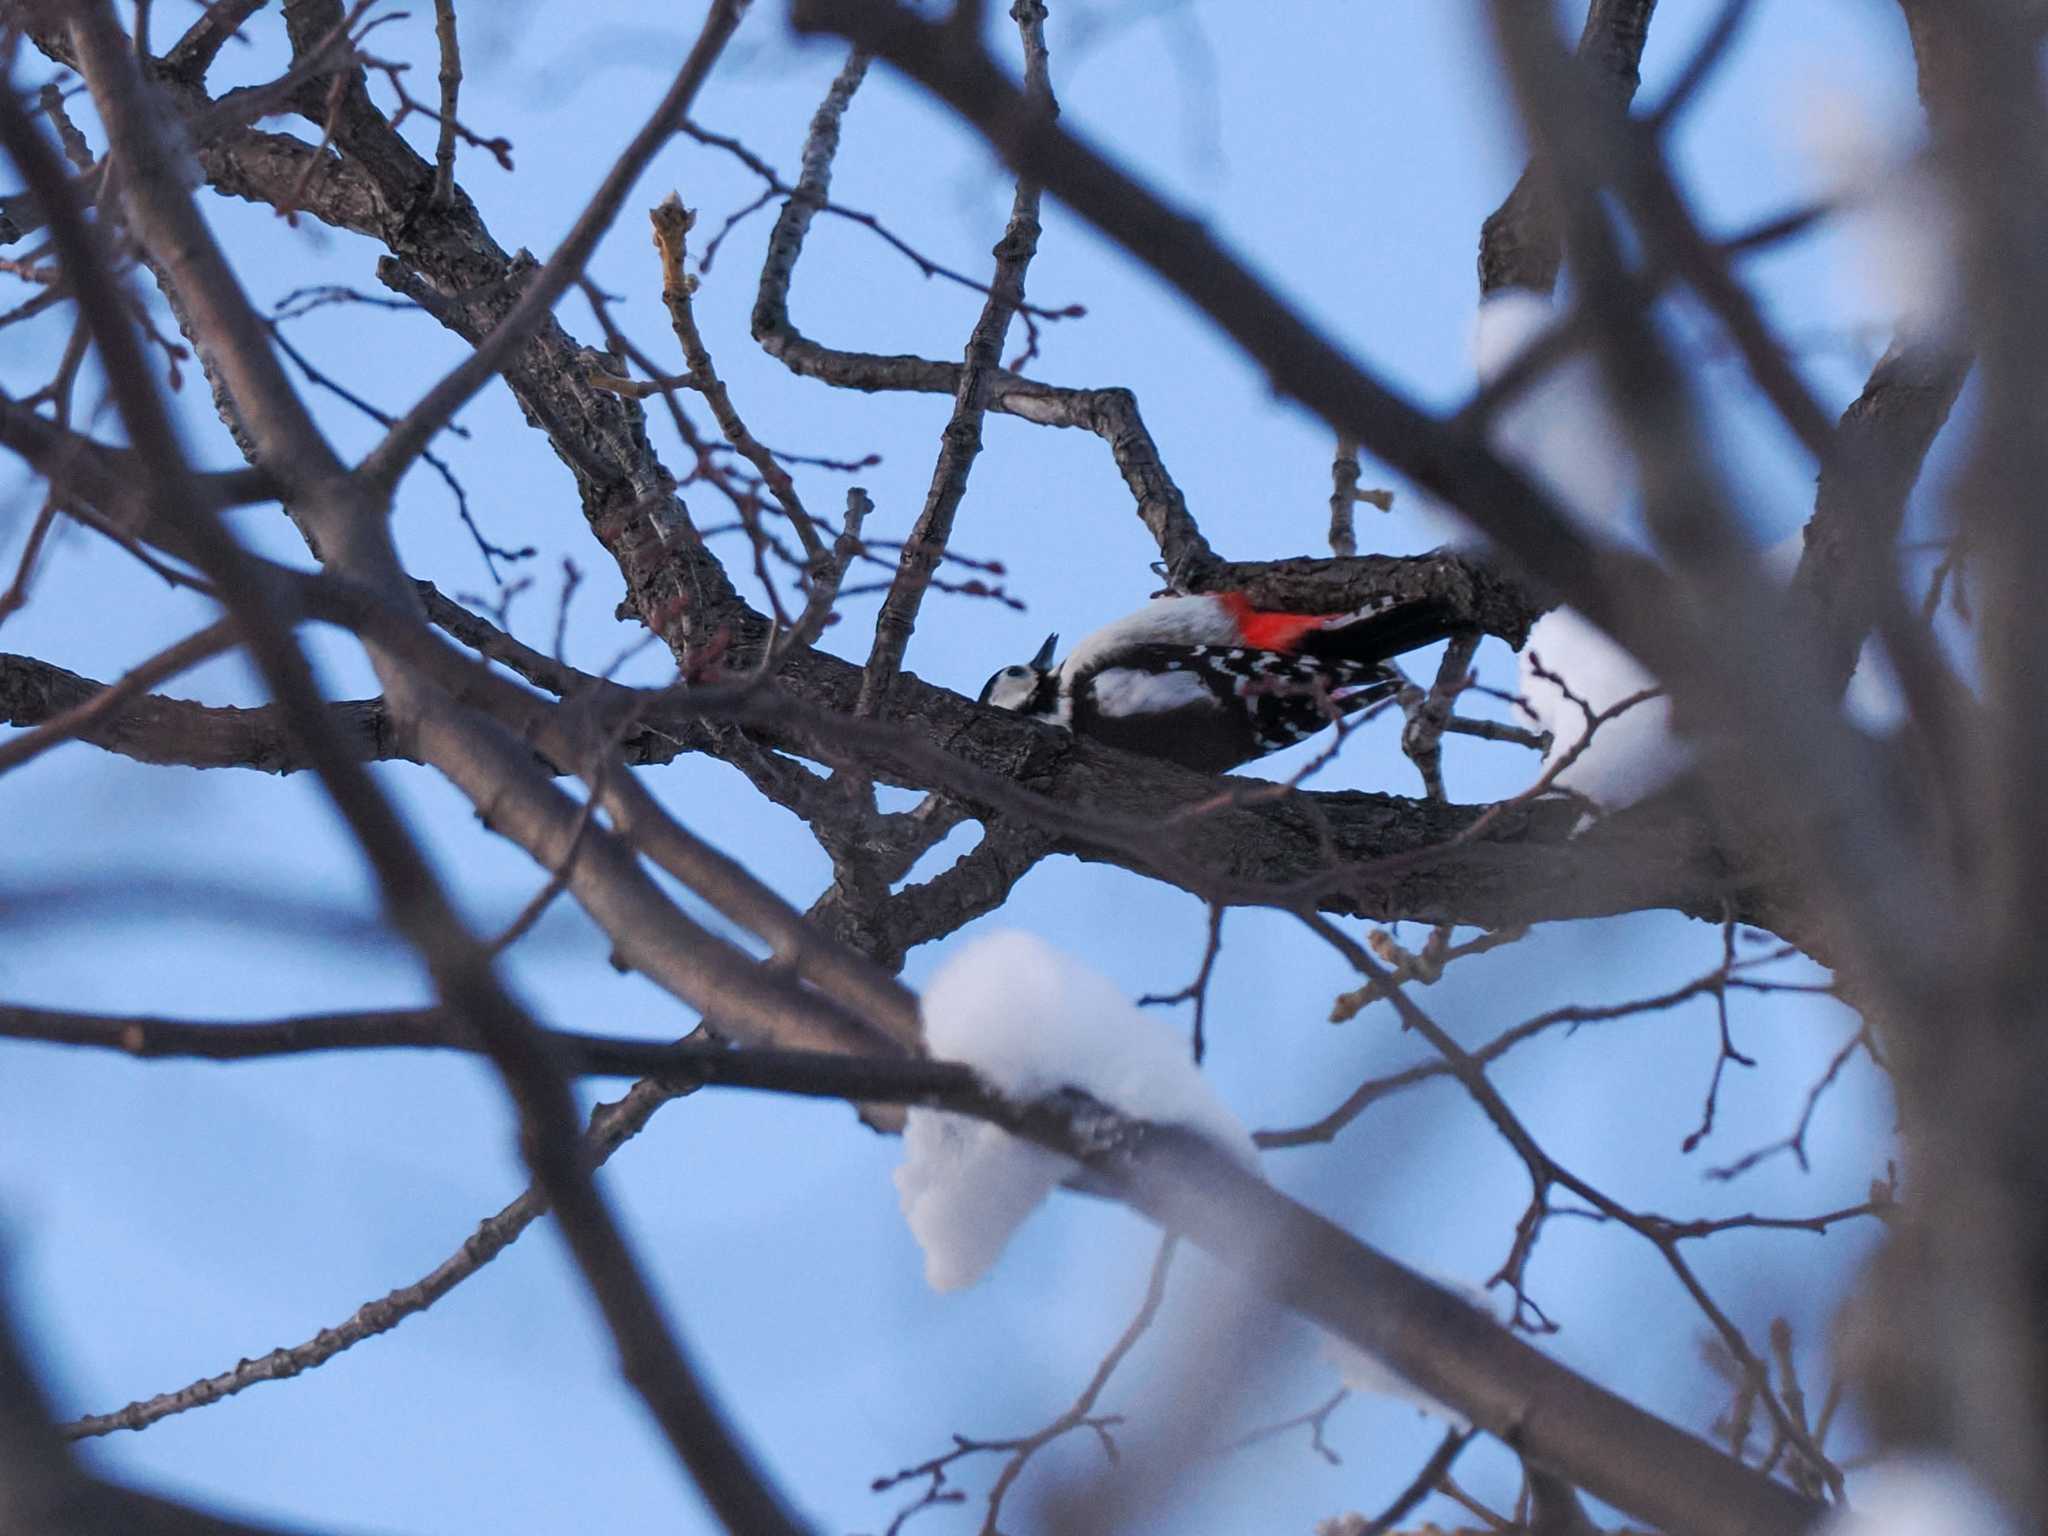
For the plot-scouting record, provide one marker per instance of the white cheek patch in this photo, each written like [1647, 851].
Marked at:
[1129, 691]
[1011, 692]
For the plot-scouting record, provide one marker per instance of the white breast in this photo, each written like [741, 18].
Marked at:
[1126, 691]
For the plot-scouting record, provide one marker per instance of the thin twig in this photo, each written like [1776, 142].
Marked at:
[451, 85]
[672, 223]
[960, 442]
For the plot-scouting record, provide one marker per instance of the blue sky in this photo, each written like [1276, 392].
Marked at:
[162, 1221]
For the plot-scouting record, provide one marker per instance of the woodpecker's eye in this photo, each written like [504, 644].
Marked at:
[1016, 671]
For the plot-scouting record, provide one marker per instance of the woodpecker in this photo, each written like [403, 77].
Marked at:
[1210, 682]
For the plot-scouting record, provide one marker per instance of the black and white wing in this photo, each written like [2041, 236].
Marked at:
[1214, 706]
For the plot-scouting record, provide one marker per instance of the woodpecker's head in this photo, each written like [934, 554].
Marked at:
[1031, 688]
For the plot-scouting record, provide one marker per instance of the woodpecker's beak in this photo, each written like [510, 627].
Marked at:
[1042, 662]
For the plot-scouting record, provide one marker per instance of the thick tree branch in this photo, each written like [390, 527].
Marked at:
[1850, 539]
[100, 712]
[193, 54]
[538, 295]
[1521, 244]
[160, 215]
[1447, 1348]
[179, 733]
[1971, 1264]
[1255, 842]
[1378, 855]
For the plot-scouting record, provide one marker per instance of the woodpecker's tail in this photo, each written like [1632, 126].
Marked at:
[1295, 698]
[1382, 630]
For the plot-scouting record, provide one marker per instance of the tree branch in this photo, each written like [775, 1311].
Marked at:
[193, 54]
[960, 441]
[1433, 1339]
[1886, 433]
[1521, 244]
[1111, 414]
[166, 222]
[537, 297]
[100, 714]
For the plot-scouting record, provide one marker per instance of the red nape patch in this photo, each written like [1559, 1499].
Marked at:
[1266, 630]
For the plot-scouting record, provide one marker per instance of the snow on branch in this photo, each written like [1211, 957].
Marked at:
[1919, 1496]
[1557, 424]
[1555, 421]
[1032, 1021]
